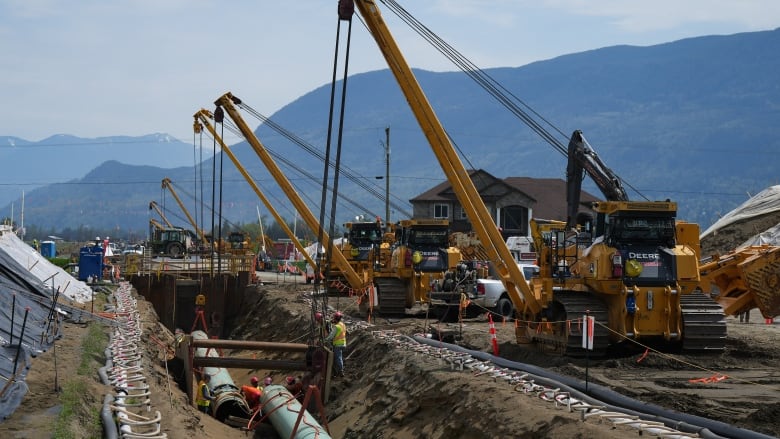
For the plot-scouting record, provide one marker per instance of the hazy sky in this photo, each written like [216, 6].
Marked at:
[95, 68]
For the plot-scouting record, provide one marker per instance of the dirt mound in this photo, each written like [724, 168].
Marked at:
[729, 237]
[391, 391]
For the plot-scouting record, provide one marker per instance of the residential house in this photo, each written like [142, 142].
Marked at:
[511, 201]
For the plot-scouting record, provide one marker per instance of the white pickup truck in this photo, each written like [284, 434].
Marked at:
[483, 294]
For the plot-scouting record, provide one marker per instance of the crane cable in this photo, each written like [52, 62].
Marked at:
[505, 97]
[345, 14]
[354, 176]
[291, 164]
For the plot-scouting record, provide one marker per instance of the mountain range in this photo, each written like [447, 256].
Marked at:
[691, 120]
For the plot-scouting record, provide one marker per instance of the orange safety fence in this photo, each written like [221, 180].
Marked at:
[709, 380]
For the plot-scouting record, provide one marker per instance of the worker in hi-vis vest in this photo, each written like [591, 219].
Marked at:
[338, 336]
[203, 398]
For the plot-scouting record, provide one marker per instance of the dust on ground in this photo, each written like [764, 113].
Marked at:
[394, 393]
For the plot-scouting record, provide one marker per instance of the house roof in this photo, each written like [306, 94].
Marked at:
[443, 191]
[548, 194]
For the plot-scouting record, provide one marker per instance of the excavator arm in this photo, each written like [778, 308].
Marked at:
[583, 159]
[202, 119]
[457, 175]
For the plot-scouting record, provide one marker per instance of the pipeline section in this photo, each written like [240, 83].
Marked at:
[124, 371]
[283, 411]
[228, 400]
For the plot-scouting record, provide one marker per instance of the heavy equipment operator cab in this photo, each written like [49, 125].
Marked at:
[643, 235]
[424, 243]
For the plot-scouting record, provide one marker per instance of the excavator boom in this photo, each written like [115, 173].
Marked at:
[743, 279]
[582, 158]
[156, 224]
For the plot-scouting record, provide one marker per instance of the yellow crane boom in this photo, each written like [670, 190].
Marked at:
[167, 184]
[228, 102]
[153, 205]
[457, 175]
[202, 119]
[156, 224]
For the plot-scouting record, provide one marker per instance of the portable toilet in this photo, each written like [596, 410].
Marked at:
[91, 262]
[48, 249]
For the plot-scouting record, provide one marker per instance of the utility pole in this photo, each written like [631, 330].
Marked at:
[387, 179]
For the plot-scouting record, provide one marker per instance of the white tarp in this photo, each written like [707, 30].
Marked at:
[766, 201]
[770, 236]
[52, 276]
[312, 249]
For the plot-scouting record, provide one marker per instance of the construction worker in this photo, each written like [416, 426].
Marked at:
[267, 381]
[294, 386]
[338, 336]
[203, 398]
[252, 393]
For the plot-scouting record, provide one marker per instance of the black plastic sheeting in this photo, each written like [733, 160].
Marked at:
[25, 303]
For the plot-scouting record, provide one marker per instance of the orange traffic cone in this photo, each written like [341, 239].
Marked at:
[493, 338]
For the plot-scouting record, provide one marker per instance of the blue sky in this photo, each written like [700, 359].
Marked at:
[95, 68]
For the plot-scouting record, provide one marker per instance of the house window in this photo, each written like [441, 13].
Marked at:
[463, 214]
[441, 211]
[514, 218]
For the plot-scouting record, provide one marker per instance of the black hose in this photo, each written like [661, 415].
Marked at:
[107, 416]
[601, 395]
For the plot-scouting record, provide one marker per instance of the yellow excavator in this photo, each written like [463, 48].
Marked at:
[420, 257]
[633, 268]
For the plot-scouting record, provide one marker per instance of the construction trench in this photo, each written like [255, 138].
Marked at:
[256, 336]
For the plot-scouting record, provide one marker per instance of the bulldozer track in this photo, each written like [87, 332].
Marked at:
[704, 324]
[392, 295]
[576, 305]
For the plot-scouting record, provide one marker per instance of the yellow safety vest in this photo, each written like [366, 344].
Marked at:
[340, 339]
[199, 399]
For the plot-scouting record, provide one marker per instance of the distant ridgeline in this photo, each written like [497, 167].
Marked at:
[693, 121]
